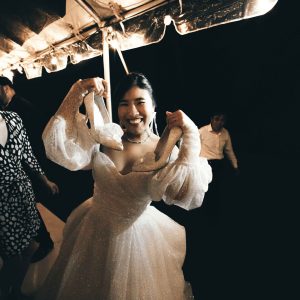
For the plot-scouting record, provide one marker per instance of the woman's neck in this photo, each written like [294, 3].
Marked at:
[134, 139]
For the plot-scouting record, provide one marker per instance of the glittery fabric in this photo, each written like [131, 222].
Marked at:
[116, 246]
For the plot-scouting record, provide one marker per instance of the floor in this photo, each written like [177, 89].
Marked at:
[38, 271]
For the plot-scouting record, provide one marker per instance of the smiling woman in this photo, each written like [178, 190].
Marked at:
[117, 246]
[136, 107]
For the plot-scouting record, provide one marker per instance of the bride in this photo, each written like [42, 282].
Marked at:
[116, 246]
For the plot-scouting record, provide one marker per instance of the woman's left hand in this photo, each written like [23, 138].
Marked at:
[178, 119]
[52, 187]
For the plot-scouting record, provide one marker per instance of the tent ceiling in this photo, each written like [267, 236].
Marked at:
[51, 33]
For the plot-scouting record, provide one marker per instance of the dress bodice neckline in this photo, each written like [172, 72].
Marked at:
[115, 167]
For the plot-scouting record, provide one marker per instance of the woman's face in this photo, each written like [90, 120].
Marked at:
[135, 111]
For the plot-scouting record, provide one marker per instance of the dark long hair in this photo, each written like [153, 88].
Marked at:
[130, 80]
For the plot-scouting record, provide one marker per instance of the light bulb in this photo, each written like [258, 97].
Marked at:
[53, 60]
[167, 20]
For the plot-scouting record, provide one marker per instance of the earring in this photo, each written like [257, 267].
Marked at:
[153, 123]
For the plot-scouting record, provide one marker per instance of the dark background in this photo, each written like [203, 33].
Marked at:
[251, 69]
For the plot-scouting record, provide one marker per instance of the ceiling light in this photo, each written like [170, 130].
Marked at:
[81, 51]
[55, 61]
[32, 70]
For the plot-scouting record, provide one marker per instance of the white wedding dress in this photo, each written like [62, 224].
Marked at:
[116, 246]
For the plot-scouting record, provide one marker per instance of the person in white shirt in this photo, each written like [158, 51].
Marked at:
[215, 145]
[216, 140]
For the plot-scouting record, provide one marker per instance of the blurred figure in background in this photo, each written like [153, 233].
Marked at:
[19, 218]
[215, 145]
[32, 120]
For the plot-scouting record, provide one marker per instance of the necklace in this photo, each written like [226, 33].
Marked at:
[138, 142]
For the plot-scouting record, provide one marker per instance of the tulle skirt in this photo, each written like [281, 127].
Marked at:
[102, 260]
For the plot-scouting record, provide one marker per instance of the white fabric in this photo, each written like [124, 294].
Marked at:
[3, 132]
[68, 140]
[183, 181]
[116, 246]
[73, 152]
[102, 129]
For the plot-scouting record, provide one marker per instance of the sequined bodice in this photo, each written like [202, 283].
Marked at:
[110, 185]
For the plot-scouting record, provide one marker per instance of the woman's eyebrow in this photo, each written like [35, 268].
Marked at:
[135, 99]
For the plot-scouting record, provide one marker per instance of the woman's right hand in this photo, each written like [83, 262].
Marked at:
[95, 84]
[85, 86]
[74, 99]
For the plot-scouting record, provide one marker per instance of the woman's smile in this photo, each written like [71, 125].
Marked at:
[136, 111]
[135, 121]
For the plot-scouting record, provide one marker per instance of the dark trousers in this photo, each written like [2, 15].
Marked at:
[202, 227]
[211, 203]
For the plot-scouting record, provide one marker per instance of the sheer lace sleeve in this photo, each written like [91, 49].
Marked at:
[184, 180]
[66, 137]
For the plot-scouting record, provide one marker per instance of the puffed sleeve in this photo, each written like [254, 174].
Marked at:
[70, 149]
[27, 154]
[66, 137]
[184, 180]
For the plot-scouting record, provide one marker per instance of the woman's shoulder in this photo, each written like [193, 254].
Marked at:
[11, 115]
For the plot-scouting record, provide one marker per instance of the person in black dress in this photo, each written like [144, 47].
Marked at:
[32, 119]
[19, 220]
